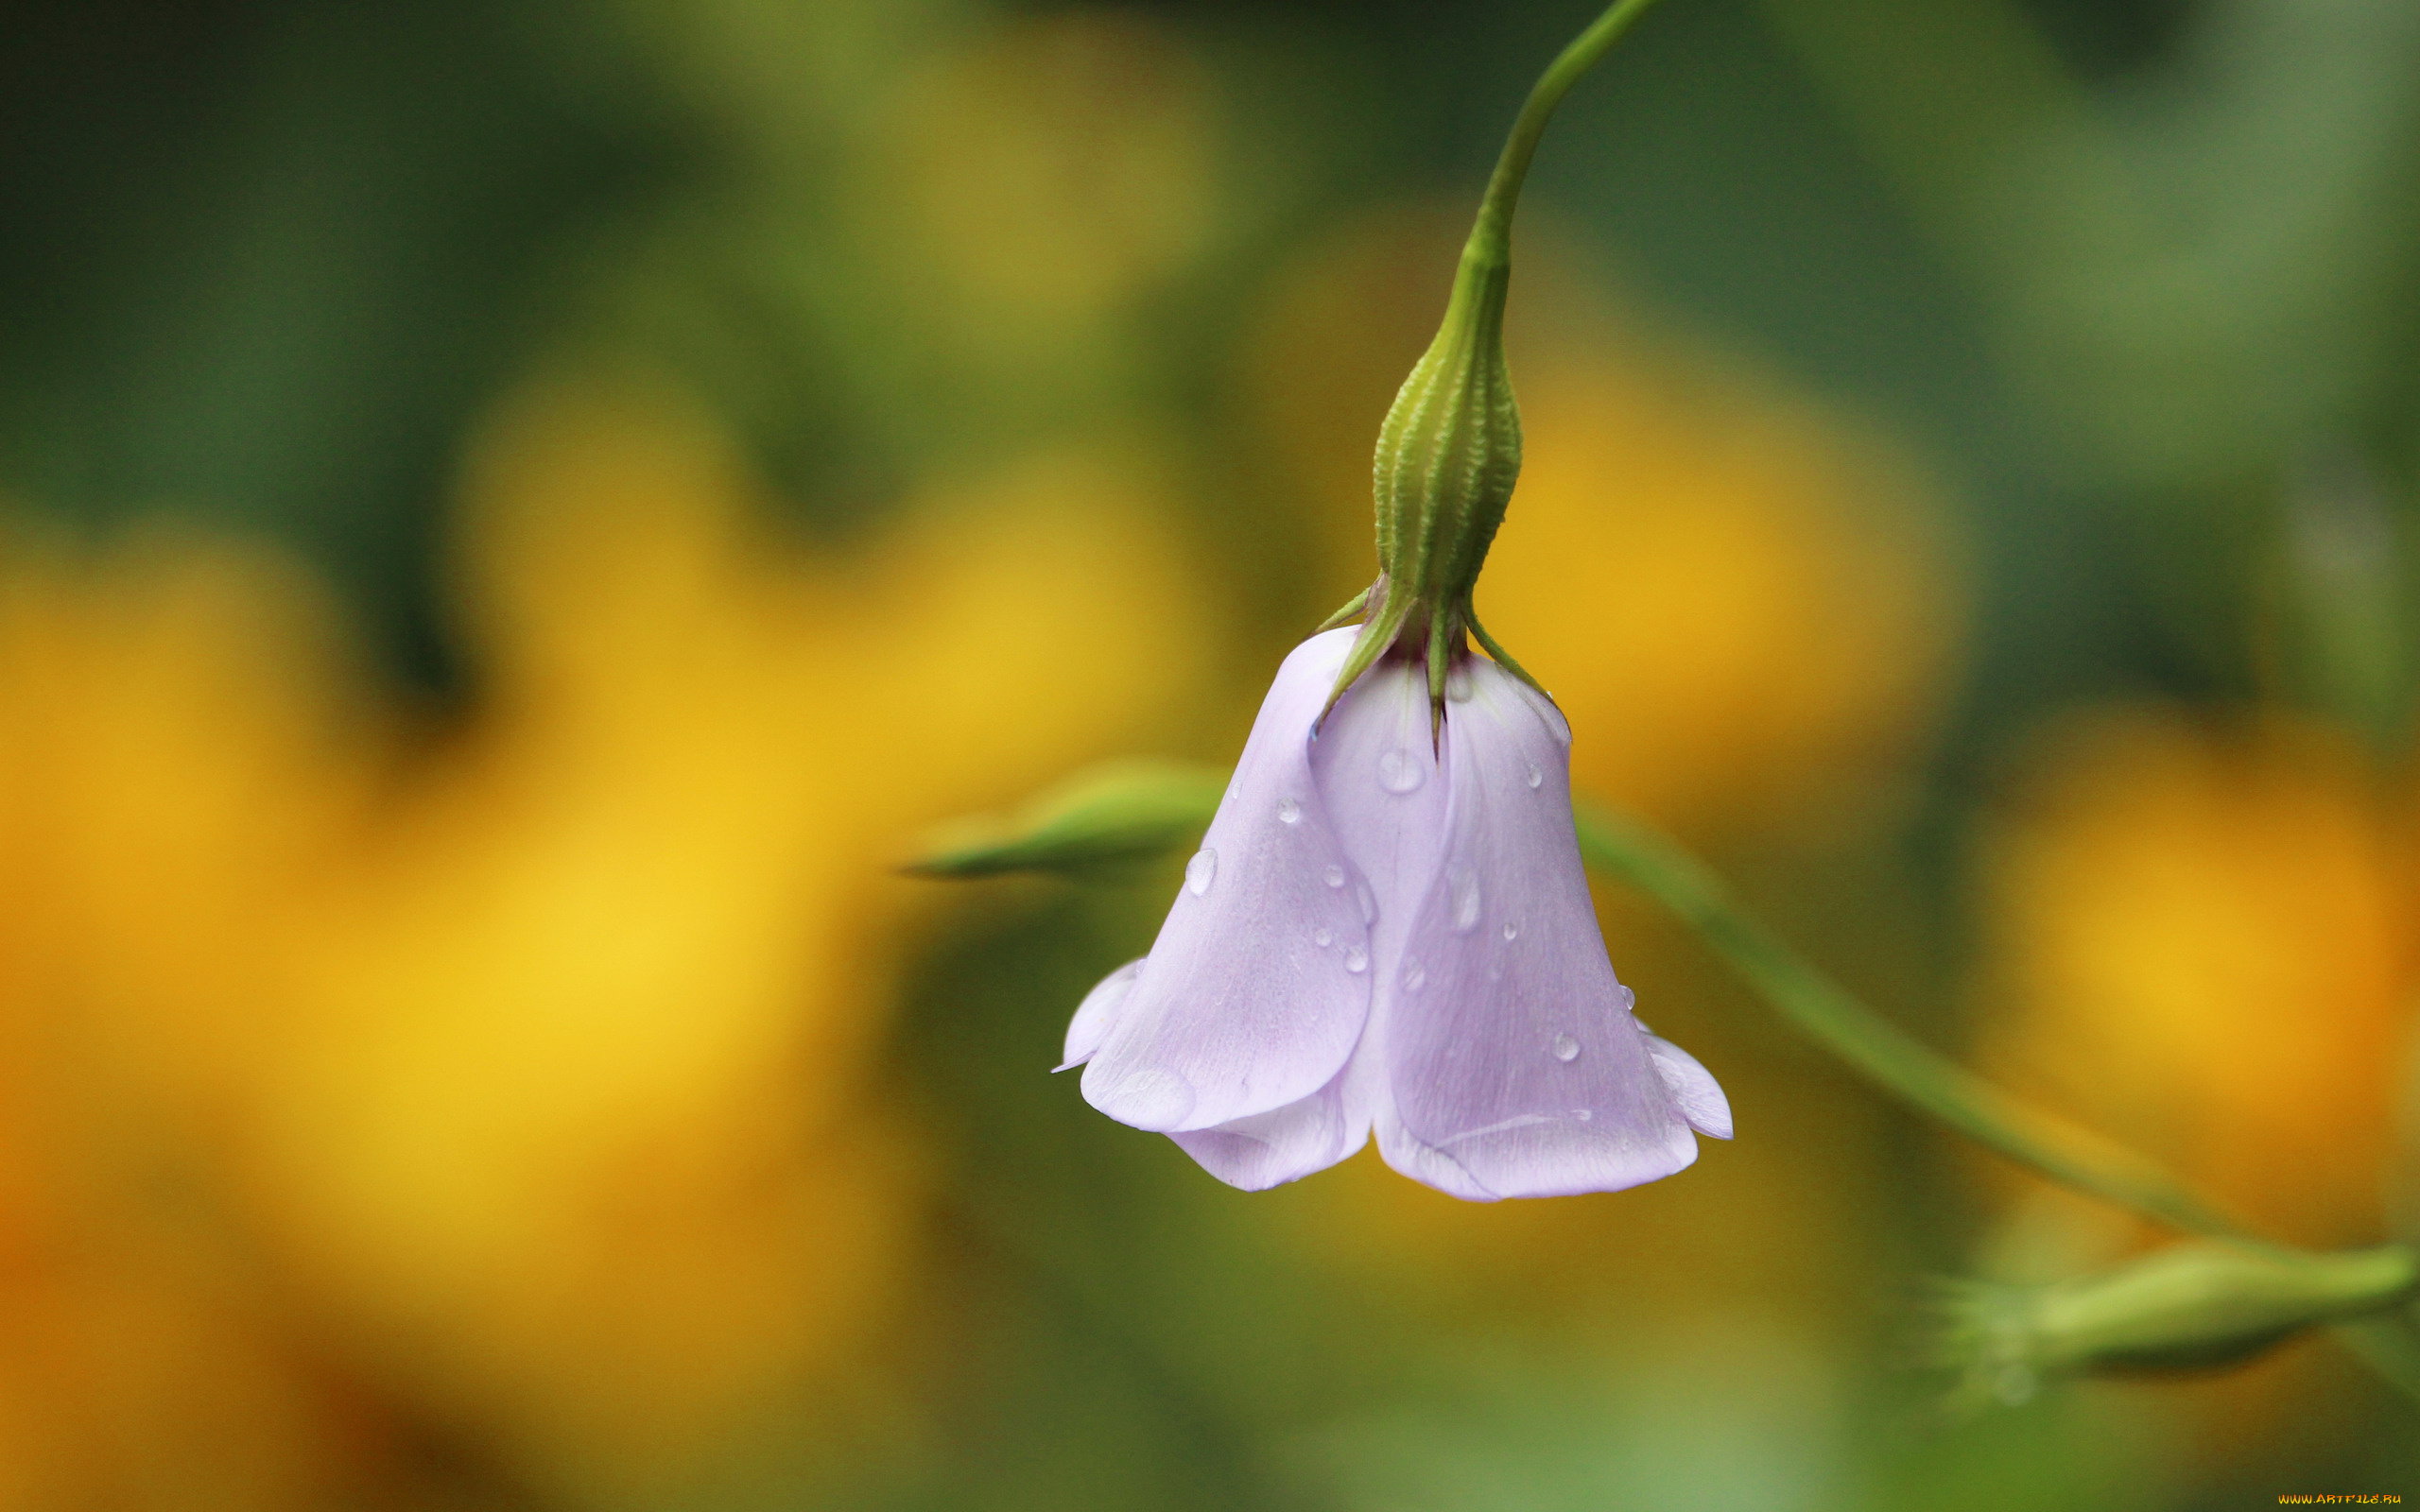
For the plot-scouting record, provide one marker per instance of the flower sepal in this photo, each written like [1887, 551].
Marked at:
[1448, 455]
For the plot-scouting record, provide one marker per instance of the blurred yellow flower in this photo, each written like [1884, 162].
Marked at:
[1745, 613]
[174, 768]
[1046, 171]
[531, 1074]
[2199, 940]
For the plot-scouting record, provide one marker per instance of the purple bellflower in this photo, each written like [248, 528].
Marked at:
[1387, 928]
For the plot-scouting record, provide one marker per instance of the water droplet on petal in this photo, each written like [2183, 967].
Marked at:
[1289, 811]
[1415, 976]
[1323, 936]
[1368, 899]
[1582, 1114]
[1566, 1049]
[1400, 771]
[1201, 871]
[1464, 883]
[1536, 777]
[1512, 931]
[1335, 876]
[1357, 960]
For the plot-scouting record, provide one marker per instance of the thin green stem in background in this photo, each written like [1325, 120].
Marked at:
[1893, 1060]
[1880, 1052]
[1132, 810]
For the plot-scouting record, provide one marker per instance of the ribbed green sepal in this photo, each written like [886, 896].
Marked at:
[1450, 449]
[1447, 458]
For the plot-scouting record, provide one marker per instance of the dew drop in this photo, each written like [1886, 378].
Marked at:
[1566, 1049]
[1415, 976]
[1335, 876]
[1201, 871]
[1357, 960]
[1289, 811]
[1368, 899]
[1536, 777]
[1399, 771]
[1323, 936]
[1464, 883]
[1512, 931]
[1582, 1114]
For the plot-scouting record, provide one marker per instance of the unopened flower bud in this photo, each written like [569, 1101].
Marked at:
[1119, 813]
[1448, 455]
[2204, 1303]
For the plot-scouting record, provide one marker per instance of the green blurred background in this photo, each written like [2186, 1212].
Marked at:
[521, 513]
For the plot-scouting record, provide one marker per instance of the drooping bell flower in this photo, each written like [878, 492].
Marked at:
[1387, 927]
[1382, 931]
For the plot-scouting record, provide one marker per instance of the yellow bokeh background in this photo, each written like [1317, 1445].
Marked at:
[519, 1068]
[602, 482]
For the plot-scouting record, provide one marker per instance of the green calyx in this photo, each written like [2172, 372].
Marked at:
[1450, 448]
[1448, 455]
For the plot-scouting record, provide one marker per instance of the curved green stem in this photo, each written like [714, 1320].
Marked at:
[1492, 237]
[1817, 1007]
[1880, 1051]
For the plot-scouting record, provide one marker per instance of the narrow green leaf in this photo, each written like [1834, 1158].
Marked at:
[1121, 813]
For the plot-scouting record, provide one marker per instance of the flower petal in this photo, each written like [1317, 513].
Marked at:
[1376, 766]
[1269, 1149]
[1426, 1164]
[1695, 1095]
[1249, 1000]
[1511, 1050]
[1098, 1012]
